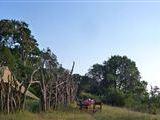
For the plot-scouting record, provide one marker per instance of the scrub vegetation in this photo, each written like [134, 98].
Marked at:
[35, 86]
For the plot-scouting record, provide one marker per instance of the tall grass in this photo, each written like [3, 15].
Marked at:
[71, 113]
[114, 113]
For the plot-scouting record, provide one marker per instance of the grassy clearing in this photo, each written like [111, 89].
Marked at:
[114, 113]
[108, 113]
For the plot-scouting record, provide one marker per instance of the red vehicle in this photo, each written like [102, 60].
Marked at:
[88, 102]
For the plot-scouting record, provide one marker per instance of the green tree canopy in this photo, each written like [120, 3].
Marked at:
[122, 73]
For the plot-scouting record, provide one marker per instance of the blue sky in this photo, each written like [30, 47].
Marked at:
[90, 32]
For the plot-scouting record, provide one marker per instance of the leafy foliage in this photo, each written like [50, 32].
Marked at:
[34, 69]
[117, 82]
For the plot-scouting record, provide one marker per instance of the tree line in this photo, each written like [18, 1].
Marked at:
[118, 82]
[32, 71]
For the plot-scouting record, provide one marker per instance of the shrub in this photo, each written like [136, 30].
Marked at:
[114, 98]
[32, 105]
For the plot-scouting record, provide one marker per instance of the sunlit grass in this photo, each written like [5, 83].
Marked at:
[114, 113]
[108, 113]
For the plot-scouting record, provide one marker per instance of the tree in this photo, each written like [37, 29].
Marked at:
[121, 73]
[115, 80]
[19, 48]
[19, 51]
[32, 68]
[96, 72]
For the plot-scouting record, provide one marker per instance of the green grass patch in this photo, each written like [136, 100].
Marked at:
[72, 113]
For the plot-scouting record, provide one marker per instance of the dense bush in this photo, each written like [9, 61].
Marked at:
[114, 98]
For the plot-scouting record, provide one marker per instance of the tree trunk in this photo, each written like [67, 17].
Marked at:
[43, 88]
[8, 97]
